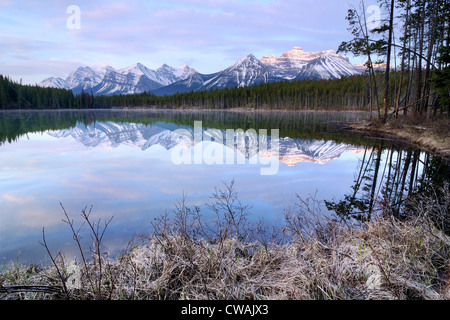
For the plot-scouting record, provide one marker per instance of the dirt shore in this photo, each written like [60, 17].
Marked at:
[429, 135]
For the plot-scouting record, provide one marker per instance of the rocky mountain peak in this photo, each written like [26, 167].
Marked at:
[293, 64]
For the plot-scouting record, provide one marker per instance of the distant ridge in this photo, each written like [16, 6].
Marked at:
[293, 64]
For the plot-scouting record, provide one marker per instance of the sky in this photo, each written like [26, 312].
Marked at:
[44, 38]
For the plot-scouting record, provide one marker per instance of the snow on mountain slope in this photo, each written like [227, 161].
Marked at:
[85, 78]
[298, 64]
[104, 79]
[134, 73]
[102, 69]
[376, 66]
[54, 83]
[129, 83]
[290, 63]
[328, 66]
[193, 82]
[245, 72]
[293, 64]
[167, 75]
[137, 78]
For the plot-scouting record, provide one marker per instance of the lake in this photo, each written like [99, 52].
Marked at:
[135, 165]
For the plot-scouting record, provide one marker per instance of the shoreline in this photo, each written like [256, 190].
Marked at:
[430, 136]
[187, 110]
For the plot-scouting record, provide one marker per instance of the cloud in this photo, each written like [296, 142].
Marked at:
[212, 34]
[16, 199]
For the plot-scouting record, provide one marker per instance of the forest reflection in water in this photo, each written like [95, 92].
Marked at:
[394, 180]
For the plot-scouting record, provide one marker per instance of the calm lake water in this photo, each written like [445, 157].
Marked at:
[134, 165]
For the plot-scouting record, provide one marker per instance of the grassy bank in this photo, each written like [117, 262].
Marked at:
[431, 135]
[308, 258]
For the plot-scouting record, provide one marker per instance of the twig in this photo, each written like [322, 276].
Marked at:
[32, 288]
[61, 276]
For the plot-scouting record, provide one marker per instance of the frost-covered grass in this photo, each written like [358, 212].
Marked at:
[315, 259]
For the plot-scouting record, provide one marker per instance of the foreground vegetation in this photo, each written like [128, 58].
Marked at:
[310, 257]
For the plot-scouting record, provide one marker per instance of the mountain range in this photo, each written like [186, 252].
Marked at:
[112, 135]
[295, 64]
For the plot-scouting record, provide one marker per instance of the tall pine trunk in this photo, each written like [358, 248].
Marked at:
[405, 37]
[419, 64]
[388, 61]
[426, 85]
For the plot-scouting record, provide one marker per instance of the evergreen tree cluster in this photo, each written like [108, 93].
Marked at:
[14, 95]
[347, 93]
[412, 37]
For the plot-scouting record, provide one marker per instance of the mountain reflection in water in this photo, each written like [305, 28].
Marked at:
[112, 134]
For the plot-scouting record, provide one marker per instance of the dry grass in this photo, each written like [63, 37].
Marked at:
[315, 259]
[429, 134]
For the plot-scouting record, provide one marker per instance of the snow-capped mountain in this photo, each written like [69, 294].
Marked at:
[164, 75]
[53, 82]
[245, 72]
[86, 78]
[112, 135]
[137, 78]
[290, 63]
[167, 75]
[105, 80]
[330, 65]
[133, 79]
[362, 68]
[294, 64]
[83, 78]
[298, 64]
[194, 82]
